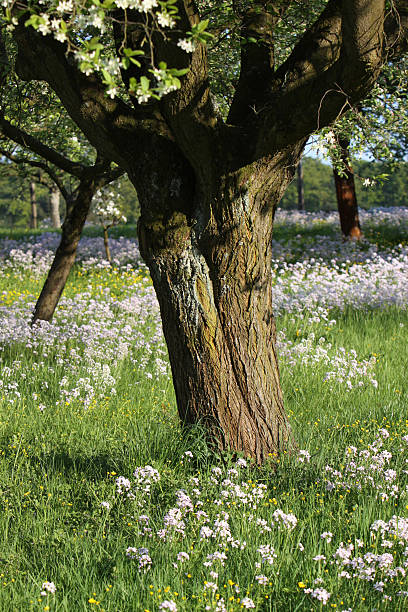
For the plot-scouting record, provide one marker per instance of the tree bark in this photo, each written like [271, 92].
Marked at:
[54, 206]
[106, 244]
[212, 277]
[300, 187]
[346, 196]
[77, 211]
[33, 203]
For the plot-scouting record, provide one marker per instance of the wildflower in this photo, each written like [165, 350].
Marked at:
[105, 504]
[210, 585]
[141, 555]
[327, 535]
[304, 456]
[168, 605]
[320, 594]
[261, 579]
[48, 587]
[247, 603]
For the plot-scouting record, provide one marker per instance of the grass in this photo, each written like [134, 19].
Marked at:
[59, 464]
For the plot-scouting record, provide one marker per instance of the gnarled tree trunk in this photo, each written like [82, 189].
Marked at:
[212, 276]
[346, 196]
[54, 207]
[77, 210]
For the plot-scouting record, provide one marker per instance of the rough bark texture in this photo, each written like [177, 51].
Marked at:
[300, 186]
[54, 207]
[346, 196]
[212, 276]
[33, 203]
[77, 211]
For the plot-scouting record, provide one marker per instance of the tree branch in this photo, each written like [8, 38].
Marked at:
[111, 126]
[332, 67]
[257, 57]
[396, 30]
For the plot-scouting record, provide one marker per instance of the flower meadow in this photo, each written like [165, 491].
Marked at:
[108, 503]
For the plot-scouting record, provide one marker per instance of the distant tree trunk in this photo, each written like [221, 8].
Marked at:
[77, 210]
[33, 202]
[346, 196]
[300, 187]
[212, 276]
[106, 244]
[54, 205]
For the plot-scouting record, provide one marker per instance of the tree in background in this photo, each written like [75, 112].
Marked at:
[377, 125]
[300, 186]
[76, 180]
[346, 193]
[107, 207]
[207, 187]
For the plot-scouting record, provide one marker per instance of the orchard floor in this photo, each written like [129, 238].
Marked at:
[108, 504]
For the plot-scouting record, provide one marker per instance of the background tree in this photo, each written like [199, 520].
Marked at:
[300, 186]
[346, 193]
[207, 187]
[77, 181]
[107, 207]
[378, 126]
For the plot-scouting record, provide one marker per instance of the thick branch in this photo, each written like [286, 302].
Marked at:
[334, 65]
[257, 59]
[112, 127]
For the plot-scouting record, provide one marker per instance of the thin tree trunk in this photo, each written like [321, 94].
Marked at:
[54, 206]
[77, 211]
[346, 196]
[33, 202]
[213, 280]
[106, 244]
[300, 187]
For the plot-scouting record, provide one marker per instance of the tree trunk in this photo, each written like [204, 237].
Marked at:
[300, 187]
[77, 211]
[346, 196]
[54, 206]
[33, 202]
[212, 276]
[106, 244]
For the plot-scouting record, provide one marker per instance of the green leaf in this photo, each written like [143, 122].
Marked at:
[144, 83]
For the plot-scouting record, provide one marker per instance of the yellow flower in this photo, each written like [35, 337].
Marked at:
[301, 585]
[91, 600]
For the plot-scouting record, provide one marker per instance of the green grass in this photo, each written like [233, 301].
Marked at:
[58, 465]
